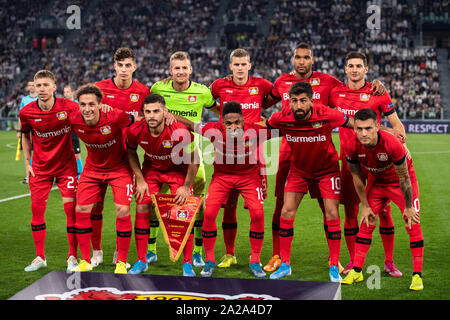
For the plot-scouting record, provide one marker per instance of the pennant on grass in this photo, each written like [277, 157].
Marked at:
[176, 221]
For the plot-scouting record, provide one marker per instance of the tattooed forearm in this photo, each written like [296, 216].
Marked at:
[405, 183]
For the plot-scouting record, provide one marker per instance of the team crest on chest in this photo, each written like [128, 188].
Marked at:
[167, 144]
[192, 99]
[61, 115]
[314, 81]
[382, 156]
[316, 124]
[105, 130]
[134, 97]
[253, 90]
[364, 97]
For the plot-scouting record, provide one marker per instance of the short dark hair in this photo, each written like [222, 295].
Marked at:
[302, 45]
[89, 89]
[44, 74]
[301, 87]
[356, 55]
[124, 53]
[366, 114]
[154, 98]
[231, 107]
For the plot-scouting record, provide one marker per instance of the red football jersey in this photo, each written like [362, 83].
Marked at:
[51, 134]
[250, 95]
[321, 83]
[129, 100]
[313, 151]
[234, 156]
[349, 101]
[379, 160]
[165, 152]
[103, 141]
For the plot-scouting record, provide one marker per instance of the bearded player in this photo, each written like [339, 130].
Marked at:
[348, 98]
[106, 164]
[161, 165]
[127, 94]
[250, 92]
[46, 122]
[185, 98]
[391, 178]
[314, 166]
[302, 61]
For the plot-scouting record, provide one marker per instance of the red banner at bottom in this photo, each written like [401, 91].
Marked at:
[176, 221]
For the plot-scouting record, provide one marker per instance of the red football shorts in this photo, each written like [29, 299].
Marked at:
[326, 186]
[349, 195]
[67, 181]
[92, 186]
[249, 186]
[380, 195]
[155, 179]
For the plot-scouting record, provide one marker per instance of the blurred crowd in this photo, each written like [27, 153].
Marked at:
[156, 29]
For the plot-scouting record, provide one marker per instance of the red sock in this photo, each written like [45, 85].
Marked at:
[387, 234]
[229, 229]
[97, 226]
[362, 244]
[123, 230]
[276, 227]
[209, 241]
[325, 223]
[416, 245]
[69, 209]
[141, 234]
[286, 237]
[38, 228]
[351, 228]
[187, 251]
[256, 233]
[334, 240]
[83, 228]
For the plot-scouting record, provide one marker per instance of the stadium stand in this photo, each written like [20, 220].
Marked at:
[411, 72]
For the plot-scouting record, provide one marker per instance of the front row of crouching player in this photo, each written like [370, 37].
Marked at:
[307, 127]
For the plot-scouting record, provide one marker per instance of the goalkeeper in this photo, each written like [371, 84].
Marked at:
[187, 99]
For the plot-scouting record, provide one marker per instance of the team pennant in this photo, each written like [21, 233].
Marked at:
[176, 221]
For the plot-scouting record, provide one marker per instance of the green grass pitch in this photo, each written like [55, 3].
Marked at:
[431, 154]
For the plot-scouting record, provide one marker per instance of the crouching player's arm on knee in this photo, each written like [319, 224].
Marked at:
[410, 214]
[141, 186]
[367, 214]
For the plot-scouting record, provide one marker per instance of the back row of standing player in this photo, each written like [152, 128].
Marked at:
[253, 93]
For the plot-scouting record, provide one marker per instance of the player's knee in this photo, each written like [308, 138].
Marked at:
[83, 208]
[288, 213]
[122, 211]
